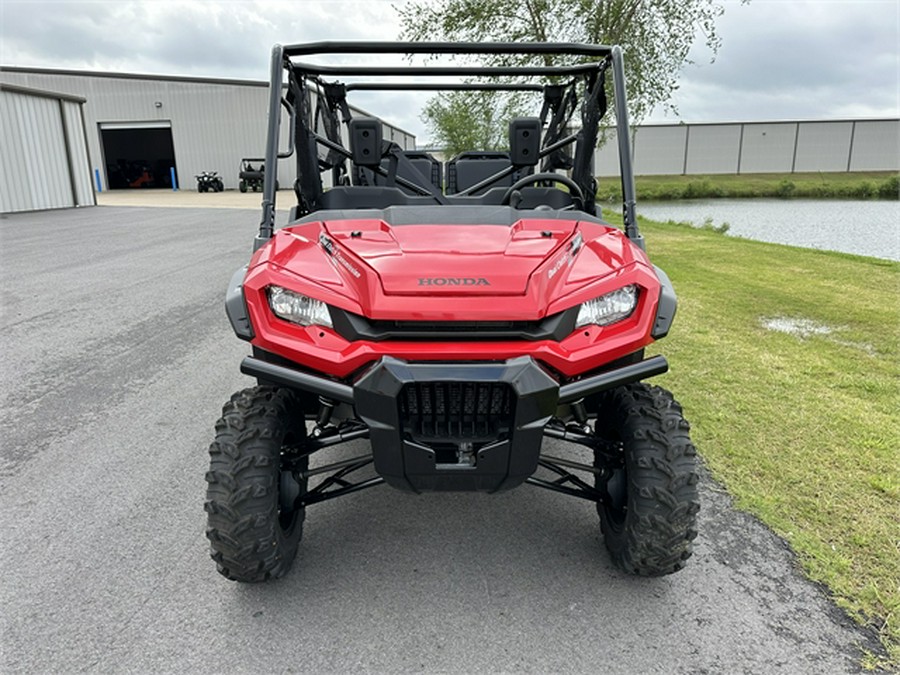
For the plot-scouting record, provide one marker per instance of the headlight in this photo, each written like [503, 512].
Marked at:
[608, 308]
[298, 308]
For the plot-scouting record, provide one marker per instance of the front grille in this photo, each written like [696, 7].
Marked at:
[354, 327]
[456, 412]
[476, 327]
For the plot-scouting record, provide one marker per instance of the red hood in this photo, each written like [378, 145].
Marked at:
[451, 259]
[523, 271]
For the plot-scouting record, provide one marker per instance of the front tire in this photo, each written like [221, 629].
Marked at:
[649, 510]
[255, 518]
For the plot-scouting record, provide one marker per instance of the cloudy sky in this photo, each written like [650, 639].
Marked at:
[780, 59]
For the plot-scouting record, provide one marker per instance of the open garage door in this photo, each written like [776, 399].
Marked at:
[138, 154]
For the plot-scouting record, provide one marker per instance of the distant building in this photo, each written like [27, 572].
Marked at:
[44, 162]
[139, 127]
[66, 133]
[758, 147]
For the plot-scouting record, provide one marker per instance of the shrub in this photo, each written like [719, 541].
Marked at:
[785, 189]
[890, 188]
[864, 190]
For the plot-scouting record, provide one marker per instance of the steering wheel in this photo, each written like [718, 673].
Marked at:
[525, 181]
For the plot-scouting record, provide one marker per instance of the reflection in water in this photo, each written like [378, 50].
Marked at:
[870, 228]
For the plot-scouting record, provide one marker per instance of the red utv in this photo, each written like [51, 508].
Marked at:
[480, 337]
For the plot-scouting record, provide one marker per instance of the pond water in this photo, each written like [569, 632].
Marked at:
[870, 228]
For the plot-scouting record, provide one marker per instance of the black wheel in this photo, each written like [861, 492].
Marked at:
[254, 514]
[242, 186]
[201, 188]
[219, 185]
[649, 510]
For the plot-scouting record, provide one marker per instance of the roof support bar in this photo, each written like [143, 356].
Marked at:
[629, 214]
[267, 225]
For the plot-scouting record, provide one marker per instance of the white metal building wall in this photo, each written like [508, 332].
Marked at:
[713, 149]
[79, 164]
[606, 158]
[214, 123]
[823, 146]
[768, 147]
[44, 163]
[875, 146]
[659, 150]
[759, 147]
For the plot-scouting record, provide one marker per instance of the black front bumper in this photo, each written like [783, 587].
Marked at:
[469, 426]
[455, 426]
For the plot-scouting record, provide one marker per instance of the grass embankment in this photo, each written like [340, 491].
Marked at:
[868, 185]
[802, 429]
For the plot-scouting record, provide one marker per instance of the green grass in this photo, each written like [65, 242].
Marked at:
[802, 431]
[867, 185]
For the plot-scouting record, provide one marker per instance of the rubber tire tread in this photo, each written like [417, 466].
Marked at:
[247, 541]
[660, 522]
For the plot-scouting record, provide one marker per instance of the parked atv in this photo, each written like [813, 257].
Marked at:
[209, 181]
[478, 340]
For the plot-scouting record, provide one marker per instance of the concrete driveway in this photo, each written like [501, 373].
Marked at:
[117, 357]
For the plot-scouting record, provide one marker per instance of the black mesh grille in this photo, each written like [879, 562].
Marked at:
[456, 411]
[454, 326]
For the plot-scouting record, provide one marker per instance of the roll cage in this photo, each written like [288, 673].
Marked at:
[315, 138]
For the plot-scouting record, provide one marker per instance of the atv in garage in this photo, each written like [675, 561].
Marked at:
[454, 330]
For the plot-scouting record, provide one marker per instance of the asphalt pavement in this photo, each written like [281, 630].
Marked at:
[117, 358]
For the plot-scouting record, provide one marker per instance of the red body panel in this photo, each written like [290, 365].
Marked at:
[525, 272]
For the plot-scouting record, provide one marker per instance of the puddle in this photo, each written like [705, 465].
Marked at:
[807, 328]
[802, 328]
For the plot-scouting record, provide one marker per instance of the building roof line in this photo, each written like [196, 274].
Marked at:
[134, 76]
[164, 78]
[41, 93]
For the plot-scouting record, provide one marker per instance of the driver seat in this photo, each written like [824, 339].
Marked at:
[541, 198]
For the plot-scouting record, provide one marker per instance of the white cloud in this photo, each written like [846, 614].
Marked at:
[803, 59]
[807, 60]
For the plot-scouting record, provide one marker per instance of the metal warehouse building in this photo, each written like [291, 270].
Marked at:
[759, 147]
[44, 162]
[138, 127]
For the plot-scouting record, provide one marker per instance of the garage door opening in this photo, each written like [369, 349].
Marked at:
[138, 155]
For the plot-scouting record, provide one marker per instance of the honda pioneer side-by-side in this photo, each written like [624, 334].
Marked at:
[474, 319]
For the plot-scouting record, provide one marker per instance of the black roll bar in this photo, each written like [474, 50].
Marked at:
[282, 55]
[445, 71]
[363, 47]
[267, 225]
[449, 86]
[623, 136]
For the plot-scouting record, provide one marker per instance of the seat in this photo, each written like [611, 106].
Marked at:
[426, 165]
[471, 167]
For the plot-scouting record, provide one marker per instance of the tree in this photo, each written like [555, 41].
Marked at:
[463, 120]
[655, 35]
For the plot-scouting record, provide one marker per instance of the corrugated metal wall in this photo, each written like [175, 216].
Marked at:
[214, 123]
[823, 146]
[875, 146]
[759, 147]
[44, 160]
[79, 162]
[712, 149]
[767, 147]
[660, 150]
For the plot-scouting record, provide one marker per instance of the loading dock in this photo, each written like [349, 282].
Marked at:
[138, 154]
